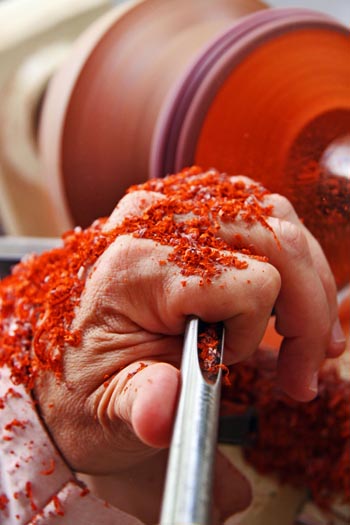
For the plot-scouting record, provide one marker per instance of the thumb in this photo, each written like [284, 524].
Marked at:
[148, 401]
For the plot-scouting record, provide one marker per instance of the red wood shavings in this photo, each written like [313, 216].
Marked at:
[209, 353]
[141, 366]
[50, 469]
[29, 495]
[305, 444]
[58, 506]
[3, 501]
[15, 423]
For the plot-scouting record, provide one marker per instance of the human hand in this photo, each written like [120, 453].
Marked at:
[117, 398]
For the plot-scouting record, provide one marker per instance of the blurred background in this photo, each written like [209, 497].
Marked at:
[35, 37]
[337, 8]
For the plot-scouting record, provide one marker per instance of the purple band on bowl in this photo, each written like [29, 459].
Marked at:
[183, 113]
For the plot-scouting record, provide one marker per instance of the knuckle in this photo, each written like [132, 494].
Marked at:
[329, 284]
[269, 288]
[136, 201]
[331, 292]
[293, 239]
[282, 207]
[325, 329]
[242, 178]
[263, 297]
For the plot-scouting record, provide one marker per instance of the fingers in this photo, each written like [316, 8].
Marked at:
[173, 297]
[132, 204]
[283, 210]
[303, 313]
[148, 403]
[159, 298]
[243, 299]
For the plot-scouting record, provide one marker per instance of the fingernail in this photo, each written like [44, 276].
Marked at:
[314, 383]
[338, 336]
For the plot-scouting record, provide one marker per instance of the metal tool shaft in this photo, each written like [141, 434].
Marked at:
[187, 496]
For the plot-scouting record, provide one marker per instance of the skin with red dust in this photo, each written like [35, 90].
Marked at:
[108, 312]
